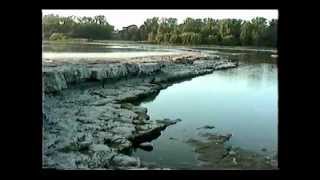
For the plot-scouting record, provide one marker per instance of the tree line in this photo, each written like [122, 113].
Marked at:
[256, 32]
[55, 26]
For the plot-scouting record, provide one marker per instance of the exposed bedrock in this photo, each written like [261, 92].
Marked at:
[97, 127]
[59, 77]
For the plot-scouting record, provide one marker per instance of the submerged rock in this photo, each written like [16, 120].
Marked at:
[218, 156]
[146, 146]
[206, 127]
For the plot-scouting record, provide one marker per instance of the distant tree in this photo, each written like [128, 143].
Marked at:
[257, 32]
[84, 27]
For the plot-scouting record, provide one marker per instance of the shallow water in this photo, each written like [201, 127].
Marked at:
[241, 101]
[99, 50]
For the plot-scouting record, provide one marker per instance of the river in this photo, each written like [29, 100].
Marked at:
[242, 101]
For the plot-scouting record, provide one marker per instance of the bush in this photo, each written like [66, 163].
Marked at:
[57, 37]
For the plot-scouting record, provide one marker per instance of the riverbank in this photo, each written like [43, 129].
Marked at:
[90, 120]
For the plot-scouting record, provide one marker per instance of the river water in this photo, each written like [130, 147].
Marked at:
[242, 101]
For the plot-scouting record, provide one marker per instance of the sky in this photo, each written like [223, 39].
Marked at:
[122, 18]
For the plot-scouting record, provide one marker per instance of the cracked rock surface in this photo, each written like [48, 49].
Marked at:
[91, 119]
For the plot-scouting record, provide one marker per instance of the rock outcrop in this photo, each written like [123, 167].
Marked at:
[95, 127]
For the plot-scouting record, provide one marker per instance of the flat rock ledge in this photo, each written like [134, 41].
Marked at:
[91, 119]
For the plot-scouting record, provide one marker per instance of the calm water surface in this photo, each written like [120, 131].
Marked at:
[241, 101]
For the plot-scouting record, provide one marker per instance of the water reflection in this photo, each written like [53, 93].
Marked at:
[242, 101]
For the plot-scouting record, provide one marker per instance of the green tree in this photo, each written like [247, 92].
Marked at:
[246, 33]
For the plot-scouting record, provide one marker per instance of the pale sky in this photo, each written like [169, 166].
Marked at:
[121, 18]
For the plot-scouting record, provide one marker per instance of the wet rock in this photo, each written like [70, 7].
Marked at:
[147, 132]
[172, 138]
[125, 161]
[146, 146]
[206, 127]
[168, 122]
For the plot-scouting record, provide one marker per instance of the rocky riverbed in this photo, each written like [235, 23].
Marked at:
[214, 154]
[90, 120]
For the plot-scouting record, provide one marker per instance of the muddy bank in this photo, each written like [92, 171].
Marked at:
[89, 117]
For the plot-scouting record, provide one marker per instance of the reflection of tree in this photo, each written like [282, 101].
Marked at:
[261, 75]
